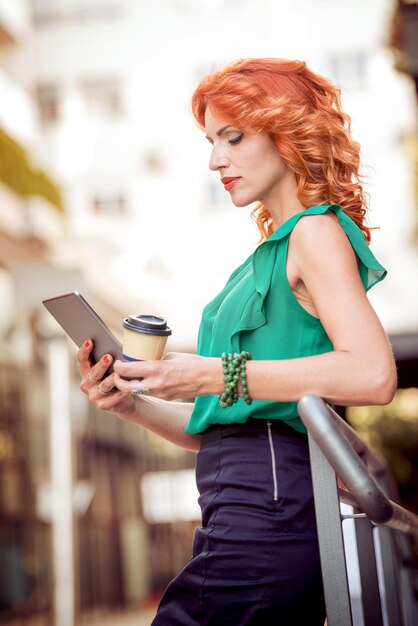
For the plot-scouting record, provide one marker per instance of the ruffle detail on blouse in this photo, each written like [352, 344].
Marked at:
[263, 264]
[253, 315]
[371, 272]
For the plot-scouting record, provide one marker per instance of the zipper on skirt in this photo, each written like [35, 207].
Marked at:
[273, 461]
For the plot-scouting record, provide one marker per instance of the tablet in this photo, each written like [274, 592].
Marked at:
[79, 320]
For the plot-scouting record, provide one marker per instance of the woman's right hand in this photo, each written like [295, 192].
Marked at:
[99, 388]
[166, 419]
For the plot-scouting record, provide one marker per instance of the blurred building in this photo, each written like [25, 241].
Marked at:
[95, 96]
[113, 80]
[28, 198]
[113, 564]
[404, 38]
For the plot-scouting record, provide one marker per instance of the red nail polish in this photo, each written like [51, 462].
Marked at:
[86, 343]
[106, 359]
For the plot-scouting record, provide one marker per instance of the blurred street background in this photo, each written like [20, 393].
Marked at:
[105, 189]
[137, 617]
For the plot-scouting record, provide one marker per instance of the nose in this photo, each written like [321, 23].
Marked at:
[217, 159]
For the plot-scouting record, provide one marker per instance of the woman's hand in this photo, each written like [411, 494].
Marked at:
[101, 389]
[166, 378]
[175, 376]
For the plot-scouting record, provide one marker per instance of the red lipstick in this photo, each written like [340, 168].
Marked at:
[229, 181]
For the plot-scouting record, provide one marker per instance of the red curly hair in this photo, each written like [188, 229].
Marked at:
[302, 113]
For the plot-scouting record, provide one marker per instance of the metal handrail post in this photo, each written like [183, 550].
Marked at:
[326, 427]
[372, 605]
[390, 567]
[366, 483]
[330, 537]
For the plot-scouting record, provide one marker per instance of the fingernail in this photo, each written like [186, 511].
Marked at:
[86, 343]
[106, 359]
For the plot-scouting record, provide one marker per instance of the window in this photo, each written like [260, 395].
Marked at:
[52, 11]
[102, 97]
[349, 71]
[48, 98]
[110, 205]
[215, 199]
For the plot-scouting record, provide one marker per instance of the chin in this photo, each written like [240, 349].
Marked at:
[242, 202]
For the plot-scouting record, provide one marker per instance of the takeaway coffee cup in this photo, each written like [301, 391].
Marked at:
[144, 337]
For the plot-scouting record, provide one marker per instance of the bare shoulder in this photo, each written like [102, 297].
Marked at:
[314, 226]
[319, 233]
[321, 258]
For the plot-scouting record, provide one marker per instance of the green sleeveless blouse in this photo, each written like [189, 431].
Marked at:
[257, 311]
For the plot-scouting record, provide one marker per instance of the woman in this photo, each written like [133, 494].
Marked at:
[297, 315]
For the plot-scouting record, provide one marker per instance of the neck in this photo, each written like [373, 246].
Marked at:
[285, 202]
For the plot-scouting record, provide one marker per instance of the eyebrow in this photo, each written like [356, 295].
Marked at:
[221, 130]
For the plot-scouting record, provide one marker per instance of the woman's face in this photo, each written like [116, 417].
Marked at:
[249, 164]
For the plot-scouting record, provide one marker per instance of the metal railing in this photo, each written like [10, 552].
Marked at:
[345, 469]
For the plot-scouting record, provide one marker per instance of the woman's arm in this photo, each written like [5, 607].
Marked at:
[360, 370]
[167, 419]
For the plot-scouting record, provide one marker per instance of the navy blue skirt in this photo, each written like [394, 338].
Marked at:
[255, 558]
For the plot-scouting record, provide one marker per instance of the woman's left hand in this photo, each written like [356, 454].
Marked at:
[177, 375]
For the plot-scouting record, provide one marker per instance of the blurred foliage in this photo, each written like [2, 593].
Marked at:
[392, 430]
[18, 173]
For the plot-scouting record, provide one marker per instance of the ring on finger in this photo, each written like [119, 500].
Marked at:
[140, 389]
[102, 391]
[91, 379]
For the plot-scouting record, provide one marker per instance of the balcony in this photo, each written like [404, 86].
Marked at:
[17, 111]
[14, 21]
[404, 38]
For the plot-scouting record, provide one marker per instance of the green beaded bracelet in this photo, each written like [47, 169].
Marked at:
[234, 367]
